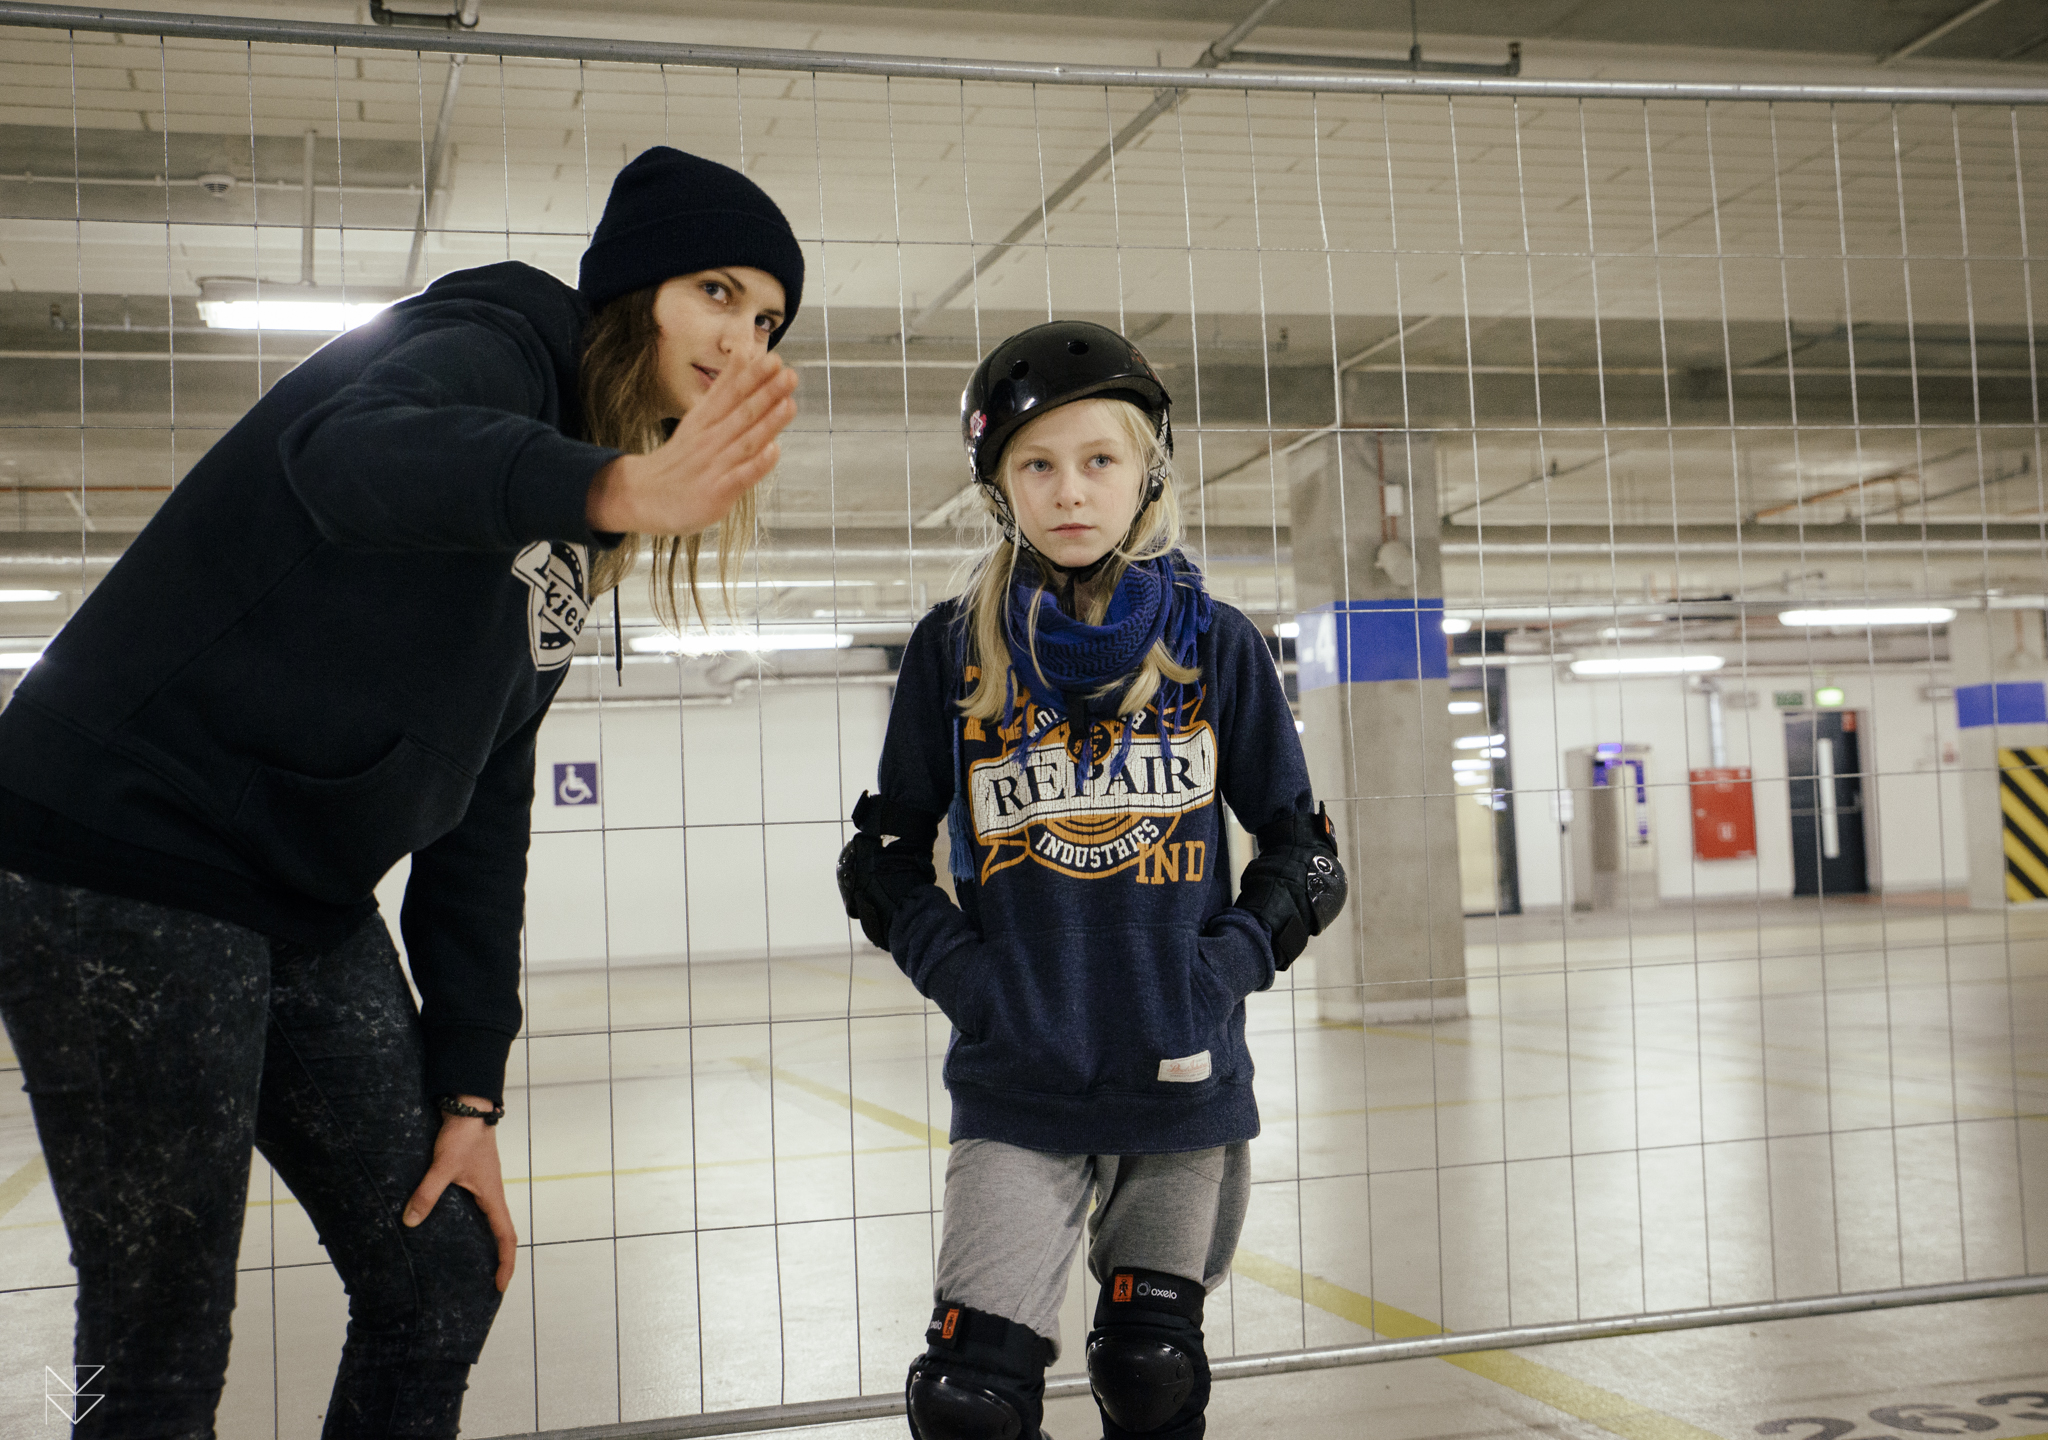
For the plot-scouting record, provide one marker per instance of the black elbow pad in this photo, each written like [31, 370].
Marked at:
[874, 877]
[1295, 885]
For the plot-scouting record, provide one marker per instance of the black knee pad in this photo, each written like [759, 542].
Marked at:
[1145, 1359]
[981, 1377]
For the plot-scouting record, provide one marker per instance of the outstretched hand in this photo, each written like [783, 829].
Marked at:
[723, 448]
[466, 1154]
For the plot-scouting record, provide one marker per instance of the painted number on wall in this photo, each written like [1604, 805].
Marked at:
[576, 783]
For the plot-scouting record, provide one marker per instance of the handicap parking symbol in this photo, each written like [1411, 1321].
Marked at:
[576, 783]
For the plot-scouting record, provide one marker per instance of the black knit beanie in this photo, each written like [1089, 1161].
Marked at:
[674, 214]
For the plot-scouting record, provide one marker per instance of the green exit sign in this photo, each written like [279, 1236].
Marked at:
[1789, 699]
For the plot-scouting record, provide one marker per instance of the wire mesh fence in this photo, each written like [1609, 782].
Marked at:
[1694, 959]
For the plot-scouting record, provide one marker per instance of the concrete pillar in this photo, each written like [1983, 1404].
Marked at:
[2000, 663]
[1369, 587]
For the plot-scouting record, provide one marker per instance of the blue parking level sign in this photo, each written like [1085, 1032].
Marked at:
[576, 783]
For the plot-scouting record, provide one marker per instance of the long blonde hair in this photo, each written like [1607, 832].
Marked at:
[619, 383]
[984, 605]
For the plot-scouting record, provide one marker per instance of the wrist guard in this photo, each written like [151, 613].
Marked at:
[873, 876]
[1294, 885]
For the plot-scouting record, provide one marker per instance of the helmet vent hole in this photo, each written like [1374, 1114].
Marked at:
[1077, 347]
[1020, 369]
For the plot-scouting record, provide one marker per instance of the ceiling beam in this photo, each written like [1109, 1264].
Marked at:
[1162, 101]
[1921, 42]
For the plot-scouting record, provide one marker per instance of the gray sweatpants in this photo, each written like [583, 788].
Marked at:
[1013, 1218]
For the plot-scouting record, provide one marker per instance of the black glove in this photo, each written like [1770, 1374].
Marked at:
[1294, 885]
[874, 877]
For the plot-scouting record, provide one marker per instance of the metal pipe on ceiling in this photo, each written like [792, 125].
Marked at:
[1217, 53]
[306, 211]
[431, 176]
[464, 16]
[1922, 41]
[100, 20]
[1413, 64]
[159, 182]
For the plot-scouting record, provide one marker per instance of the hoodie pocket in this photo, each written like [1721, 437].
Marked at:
[1176, 1028]
[333, 839]
[1139, 1019]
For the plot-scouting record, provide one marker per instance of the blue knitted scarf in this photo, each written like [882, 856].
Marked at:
[1156, 600]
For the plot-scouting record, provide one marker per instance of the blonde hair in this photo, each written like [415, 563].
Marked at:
[619, 383]
[984, 604]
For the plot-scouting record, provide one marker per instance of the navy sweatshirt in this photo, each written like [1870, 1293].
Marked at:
[331, 648]
[1095, 971]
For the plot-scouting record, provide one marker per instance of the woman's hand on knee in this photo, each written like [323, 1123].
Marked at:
[723, 448]
[466, 1154]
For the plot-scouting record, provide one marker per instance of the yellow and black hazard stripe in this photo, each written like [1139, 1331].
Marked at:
[2023, 799]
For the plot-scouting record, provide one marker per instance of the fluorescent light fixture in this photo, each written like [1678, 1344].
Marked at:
[1478, 742]
[1472, 777]
[1466, 707]
[1648, 665]
[1494, 662]
[841, 584]
[1300, 728]
[1287, 630]
[726, 642]
[26, 597]
[1631, 632]
[1858, 619]
[1468, 764]
[1455, 626]
[1829, 696]
[1496, 753]
[314, 309]
[19, 659]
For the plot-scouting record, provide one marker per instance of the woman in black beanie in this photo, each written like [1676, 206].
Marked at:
[331, 648]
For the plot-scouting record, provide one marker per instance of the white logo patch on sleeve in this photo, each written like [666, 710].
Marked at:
[556, 574]
[1187, 1069]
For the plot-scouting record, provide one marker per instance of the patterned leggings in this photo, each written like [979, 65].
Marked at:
[158, 1046]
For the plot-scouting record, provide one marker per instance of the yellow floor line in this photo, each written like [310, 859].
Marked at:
[866, 1109]
[1420, 1032]
[14, 1189]
[1610, 1412]
[1599, 1407]
[1613, 1413]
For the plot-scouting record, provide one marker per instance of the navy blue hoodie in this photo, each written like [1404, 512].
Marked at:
[1095, 970]
[330, 648]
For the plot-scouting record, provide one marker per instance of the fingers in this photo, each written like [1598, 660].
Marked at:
[739, 395]
[428, 1195]
[491, 1200]
[715, 482]
[759, 438]
[724, 447]
[466, 1155]
[749, 408]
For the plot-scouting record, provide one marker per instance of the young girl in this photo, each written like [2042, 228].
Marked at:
[331, 648]
[1074, 717]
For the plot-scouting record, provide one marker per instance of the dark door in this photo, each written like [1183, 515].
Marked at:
[1823, 760]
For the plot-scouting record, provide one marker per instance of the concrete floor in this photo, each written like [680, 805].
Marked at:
[726, 1175]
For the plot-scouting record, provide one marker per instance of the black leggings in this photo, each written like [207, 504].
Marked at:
[157, 1046]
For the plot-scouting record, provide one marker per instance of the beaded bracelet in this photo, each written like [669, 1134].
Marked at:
[451, 1105]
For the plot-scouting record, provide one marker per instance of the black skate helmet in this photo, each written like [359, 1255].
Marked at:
[1049, 365]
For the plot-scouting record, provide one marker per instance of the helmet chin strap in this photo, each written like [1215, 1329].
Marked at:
[1075, 574]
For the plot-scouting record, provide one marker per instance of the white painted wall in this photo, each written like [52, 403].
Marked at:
[675, 859]
[716, 829]
[1914, 831]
